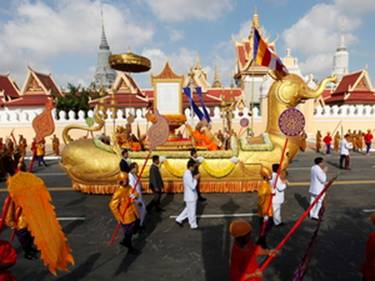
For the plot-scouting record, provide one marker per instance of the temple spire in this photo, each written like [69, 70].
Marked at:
[217, 79]
[104, 75]
[103, 41]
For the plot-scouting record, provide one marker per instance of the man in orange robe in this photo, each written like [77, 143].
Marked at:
[368, 267]
[243, 263]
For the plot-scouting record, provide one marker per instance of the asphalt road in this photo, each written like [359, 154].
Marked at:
[180, 253]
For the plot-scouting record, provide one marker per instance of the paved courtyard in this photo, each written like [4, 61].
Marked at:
[170, 252]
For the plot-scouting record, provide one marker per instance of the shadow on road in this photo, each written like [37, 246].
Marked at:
[151, 222]
[303, 202]
[81, 271]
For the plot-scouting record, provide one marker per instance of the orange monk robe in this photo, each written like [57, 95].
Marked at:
[264, 199]
[318, 142]
[203, 140]
[336, 142]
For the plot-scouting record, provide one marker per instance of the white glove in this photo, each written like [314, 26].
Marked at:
[235, 160]
[200, 159]
[162, 159]
[132, 196]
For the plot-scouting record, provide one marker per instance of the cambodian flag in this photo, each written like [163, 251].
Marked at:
[206, 114]
[196, 109]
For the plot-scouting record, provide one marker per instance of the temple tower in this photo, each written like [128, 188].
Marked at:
[104, 74]
[341, 59]
[248, 74]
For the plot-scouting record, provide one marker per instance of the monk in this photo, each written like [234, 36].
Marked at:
[243, 263]
[359, 140]
[303, 142]
[336, 142]
[56, 145]
[318, 140]
[368, 267]
[202, 136]
[265, 205]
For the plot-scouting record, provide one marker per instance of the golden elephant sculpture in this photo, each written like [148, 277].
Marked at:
[93, 166]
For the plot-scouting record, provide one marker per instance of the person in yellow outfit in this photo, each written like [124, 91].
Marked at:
[265, 206]
[56, 145]
[40, 152]
[16, 221]
[125, 211]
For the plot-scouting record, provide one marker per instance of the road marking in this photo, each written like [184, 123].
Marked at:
[298, 168]
[218, 216]
[302, 183]
[368, 210]
[71, 218]
[307, 183]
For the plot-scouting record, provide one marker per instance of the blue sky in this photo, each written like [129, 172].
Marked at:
[62, 36]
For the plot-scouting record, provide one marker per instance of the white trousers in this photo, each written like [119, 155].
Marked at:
[141, 209]
[314, 213]
[276, 208]
[190, 213]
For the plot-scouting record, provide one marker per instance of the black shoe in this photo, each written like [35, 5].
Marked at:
[160, 209]
[123, 243]
[202, 199]
[134, 251]
[280, 224]
[180, 224]
[314, 219]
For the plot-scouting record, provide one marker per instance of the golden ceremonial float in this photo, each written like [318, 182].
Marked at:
[93, 165]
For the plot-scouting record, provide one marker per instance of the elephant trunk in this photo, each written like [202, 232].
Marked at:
[311, 94]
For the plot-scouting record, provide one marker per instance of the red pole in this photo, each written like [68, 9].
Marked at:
[263, 228]
[118, 226]
[297, 224]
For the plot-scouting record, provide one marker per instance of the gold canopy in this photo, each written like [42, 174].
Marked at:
[129, 62]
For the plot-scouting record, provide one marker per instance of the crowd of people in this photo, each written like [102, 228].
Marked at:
[129, 208]
[355, 141]
[13, 152]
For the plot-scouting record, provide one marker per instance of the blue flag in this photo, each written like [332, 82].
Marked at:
[206, 114]
[197, 111]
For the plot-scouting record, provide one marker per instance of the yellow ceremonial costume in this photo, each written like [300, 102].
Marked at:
[318, 141]
[29, 194]
[118, 204]
[264, 199]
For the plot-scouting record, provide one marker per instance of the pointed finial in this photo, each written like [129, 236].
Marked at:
[217, 80]
[103, 41]
[255, 21]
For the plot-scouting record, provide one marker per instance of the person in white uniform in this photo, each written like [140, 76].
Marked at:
[190, 196]
[278, 194]
[317, 182]
[345, 147]
[140, 203]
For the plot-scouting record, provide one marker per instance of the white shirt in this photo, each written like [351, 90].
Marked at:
[318, 180]
[190, 184]
[278, 192]
[345, 146]
[133, 181]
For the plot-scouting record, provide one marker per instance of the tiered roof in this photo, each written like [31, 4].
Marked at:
[36, 91]
[354, 88]
[8, 90]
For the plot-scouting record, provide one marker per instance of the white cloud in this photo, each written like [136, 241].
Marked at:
[356, 7]
[175, 35]
[316, 34]
[38, 33]
[180, 10]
